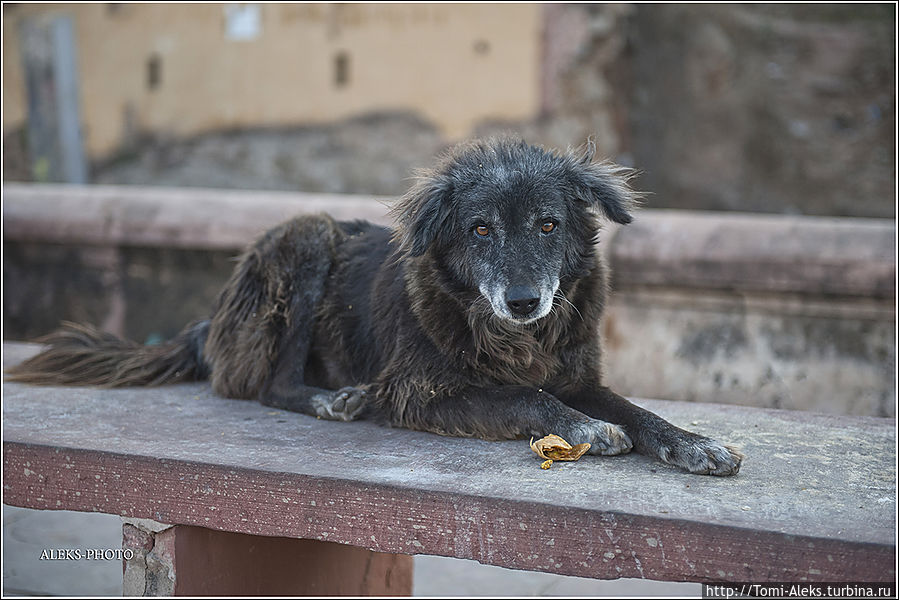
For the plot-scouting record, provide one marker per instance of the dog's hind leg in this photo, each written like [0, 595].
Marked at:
[286, 388]
[261, 331]
[654, 436]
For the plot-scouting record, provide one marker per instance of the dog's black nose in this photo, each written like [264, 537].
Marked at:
[522, 300]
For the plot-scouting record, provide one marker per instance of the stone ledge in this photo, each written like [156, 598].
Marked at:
[818, 256]
[815, 500]
[191, 218]
[676, 249]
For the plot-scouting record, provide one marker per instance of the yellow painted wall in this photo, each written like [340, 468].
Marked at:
[456, 64]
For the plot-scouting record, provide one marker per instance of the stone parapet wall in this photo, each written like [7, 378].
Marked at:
[785, 312]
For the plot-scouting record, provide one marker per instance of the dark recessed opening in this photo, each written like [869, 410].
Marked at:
[481, 47]
[154, 72]
[341, 69]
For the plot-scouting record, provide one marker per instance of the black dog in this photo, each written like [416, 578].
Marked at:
[477, 316]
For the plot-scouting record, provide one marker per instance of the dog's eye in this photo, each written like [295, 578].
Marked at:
[482, 230]
[548, 227]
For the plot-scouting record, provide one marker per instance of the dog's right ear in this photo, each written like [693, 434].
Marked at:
[421, 214]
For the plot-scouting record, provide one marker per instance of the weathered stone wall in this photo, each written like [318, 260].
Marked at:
[755, 350]
[146, 293]
[180, 69]
[781, 312]
[374, 154]
[785, 108]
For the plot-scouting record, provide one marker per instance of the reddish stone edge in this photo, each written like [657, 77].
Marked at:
[504, 532]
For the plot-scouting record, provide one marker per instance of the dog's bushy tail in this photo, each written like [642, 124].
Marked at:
[81, 355]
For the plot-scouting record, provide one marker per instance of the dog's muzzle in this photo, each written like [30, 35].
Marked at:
[522, 300]
[521, 303]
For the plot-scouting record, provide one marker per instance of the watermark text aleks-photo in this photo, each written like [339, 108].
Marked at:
[86, 554]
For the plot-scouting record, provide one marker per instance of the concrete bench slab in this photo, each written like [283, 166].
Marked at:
[815, 500]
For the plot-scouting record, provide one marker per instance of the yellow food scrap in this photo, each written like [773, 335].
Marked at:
[546, 463]
[552, 447]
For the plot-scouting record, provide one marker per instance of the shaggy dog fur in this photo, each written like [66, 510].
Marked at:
[477, 315]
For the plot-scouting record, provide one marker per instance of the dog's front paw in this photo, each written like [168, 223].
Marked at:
[702, 456]
[345, 404]
[606, 439]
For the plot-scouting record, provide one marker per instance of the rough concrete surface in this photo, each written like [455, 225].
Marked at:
[375, 154]
[809, 479]
[846, 464]
[785, 108]
[28, 533]
[752, 350]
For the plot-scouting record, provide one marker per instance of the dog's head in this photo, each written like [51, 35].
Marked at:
[512, 220]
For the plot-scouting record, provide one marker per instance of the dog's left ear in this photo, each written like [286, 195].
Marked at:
[603, 186]
[421, 214]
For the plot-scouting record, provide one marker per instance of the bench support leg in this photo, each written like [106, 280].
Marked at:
[182, 560]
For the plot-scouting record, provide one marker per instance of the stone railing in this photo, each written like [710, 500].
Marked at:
[764, 310]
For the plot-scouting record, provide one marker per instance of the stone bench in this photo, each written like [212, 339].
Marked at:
[231, 497]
